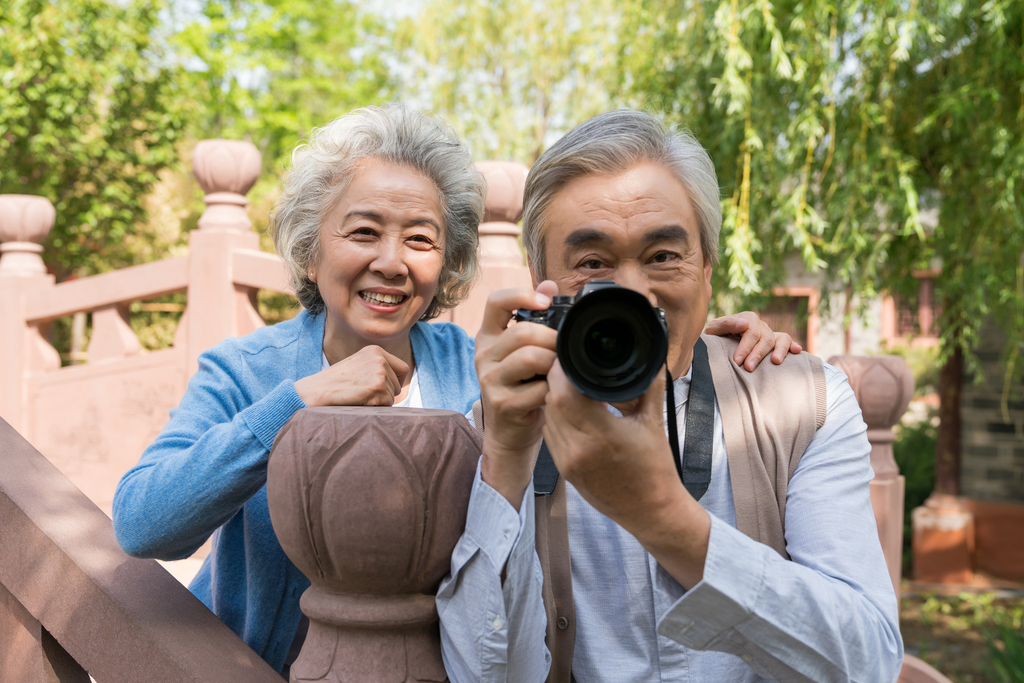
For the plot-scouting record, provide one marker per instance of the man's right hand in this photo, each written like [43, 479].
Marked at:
[506, 359]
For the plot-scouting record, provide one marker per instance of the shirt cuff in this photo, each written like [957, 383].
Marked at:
[725, 597]
[491, 521]
[266, 417]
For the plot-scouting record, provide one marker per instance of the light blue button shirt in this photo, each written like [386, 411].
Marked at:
[830, 614]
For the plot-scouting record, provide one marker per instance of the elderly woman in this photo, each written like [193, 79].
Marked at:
[378, 226]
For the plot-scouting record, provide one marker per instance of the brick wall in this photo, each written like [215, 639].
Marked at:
[992, 450]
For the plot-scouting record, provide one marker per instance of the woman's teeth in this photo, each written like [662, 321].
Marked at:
[382, 299]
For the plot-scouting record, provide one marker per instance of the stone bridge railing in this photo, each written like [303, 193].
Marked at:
[94, 420]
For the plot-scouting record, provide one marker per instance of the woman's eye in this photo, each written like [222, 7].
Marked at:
[363, 232]
[421, 241]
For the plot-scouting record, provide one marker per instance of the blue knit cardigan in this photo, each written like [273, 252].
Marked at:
[206, 472]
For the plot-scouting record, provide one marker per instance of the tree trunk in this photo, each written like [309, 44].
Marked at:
[947, 445]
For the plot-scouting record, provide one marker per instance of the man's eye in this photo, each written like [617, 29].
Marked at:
[663, 257]
[592, 264]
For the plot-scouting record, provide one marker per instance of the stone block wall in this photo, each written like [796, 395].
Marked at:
[992, 449]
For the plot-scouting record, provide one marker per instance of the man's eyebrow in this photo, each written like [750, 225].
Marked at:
[582, 237]
[667, 233]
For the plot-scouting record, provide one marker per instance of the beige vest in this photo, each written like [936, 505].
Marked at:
[769, 417]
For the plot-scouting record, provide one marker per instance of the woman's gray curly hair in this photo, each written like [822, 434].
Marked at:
[323, 167]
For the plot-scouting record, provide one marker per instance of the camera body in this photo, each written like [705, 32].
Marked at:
[611, 342]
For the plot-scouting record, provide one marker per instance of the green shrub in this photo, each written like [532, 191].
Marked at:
[1005, 645]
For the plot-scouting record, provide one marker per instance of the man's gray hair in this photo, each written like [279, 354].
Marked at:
[612, 143]
[323, 167]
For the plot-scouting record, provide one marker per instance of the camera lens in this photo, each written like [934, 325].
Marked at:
[612, 344]
[608, 344]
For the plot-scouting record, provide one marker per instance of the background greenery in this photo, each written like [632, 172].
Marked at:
[869, 139]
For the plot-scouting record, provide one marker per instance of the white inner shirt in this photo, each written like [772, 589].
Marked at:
[413, 399]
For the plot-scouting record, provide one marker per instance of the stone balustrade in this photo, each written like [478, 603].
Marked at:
[95, 441]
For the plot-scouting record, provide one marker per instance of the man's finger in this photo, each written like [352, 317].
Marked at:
[652, 403]
[521, 335]
[525, 363]
[564, 398]
[503, 304]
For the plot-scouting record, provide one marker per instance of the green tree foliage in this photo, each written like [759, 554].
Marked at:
[510, 75]
[874, 138]
[89, 115]
[271, 70]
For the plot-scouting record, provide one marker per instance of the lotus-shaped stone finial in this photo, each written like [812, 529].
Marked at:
[369, 504]
[25, 222]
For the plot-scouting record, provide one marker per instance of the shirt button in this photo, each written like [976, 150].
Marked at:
[496, 624]
[562, 623]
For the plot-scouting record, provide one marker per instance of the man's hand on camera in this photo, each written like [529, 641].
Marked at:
[623, 467]
[506, 359]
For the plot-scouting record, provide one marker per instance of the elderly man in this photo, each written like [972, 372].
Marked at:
[754, 558]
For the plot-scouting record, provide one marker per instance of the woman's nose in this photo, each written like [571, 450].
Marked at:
[390, 260]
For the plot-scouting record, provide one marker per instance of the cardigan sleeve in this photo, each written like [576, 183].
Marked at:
[210, 458]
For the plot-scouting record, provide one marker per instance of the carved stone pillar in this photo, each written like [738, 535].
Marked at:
[218, 308]
[25, 222]
[502, 262]
[884, 386]
[369, 503]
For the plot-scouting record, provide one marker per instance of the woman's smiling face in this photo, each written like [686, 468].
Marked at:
[381, 252]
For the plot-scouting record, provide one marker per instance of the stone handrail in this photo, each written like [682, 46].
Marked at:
[72, 604]
[146, 281]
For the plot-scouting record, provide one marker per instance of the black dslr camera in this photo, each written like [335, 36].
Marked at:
[611, 342]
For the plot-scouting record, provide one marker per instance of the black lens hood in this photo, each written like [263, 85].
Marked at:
[615, 306]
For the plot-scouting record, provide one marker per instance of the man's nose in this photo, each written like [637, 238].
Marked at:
[632, 276]
[390, 260]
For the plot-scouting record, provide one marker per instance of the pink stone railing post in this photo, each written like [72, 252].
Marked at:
[884, 386]
[217, 306]
[25, 221]
[502, 263]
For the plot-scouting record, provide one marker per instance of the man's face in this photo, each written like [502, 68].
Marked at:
[639, 229]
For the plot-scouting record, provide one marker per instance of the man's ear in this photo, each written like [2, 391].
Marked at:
[707, 278]
[534, 279]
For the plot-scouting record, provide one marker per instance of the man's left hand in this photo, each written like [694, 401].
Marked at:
[623, 466]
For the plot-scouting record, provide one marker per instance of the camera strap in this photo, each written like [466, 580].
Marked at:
[694, 466]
